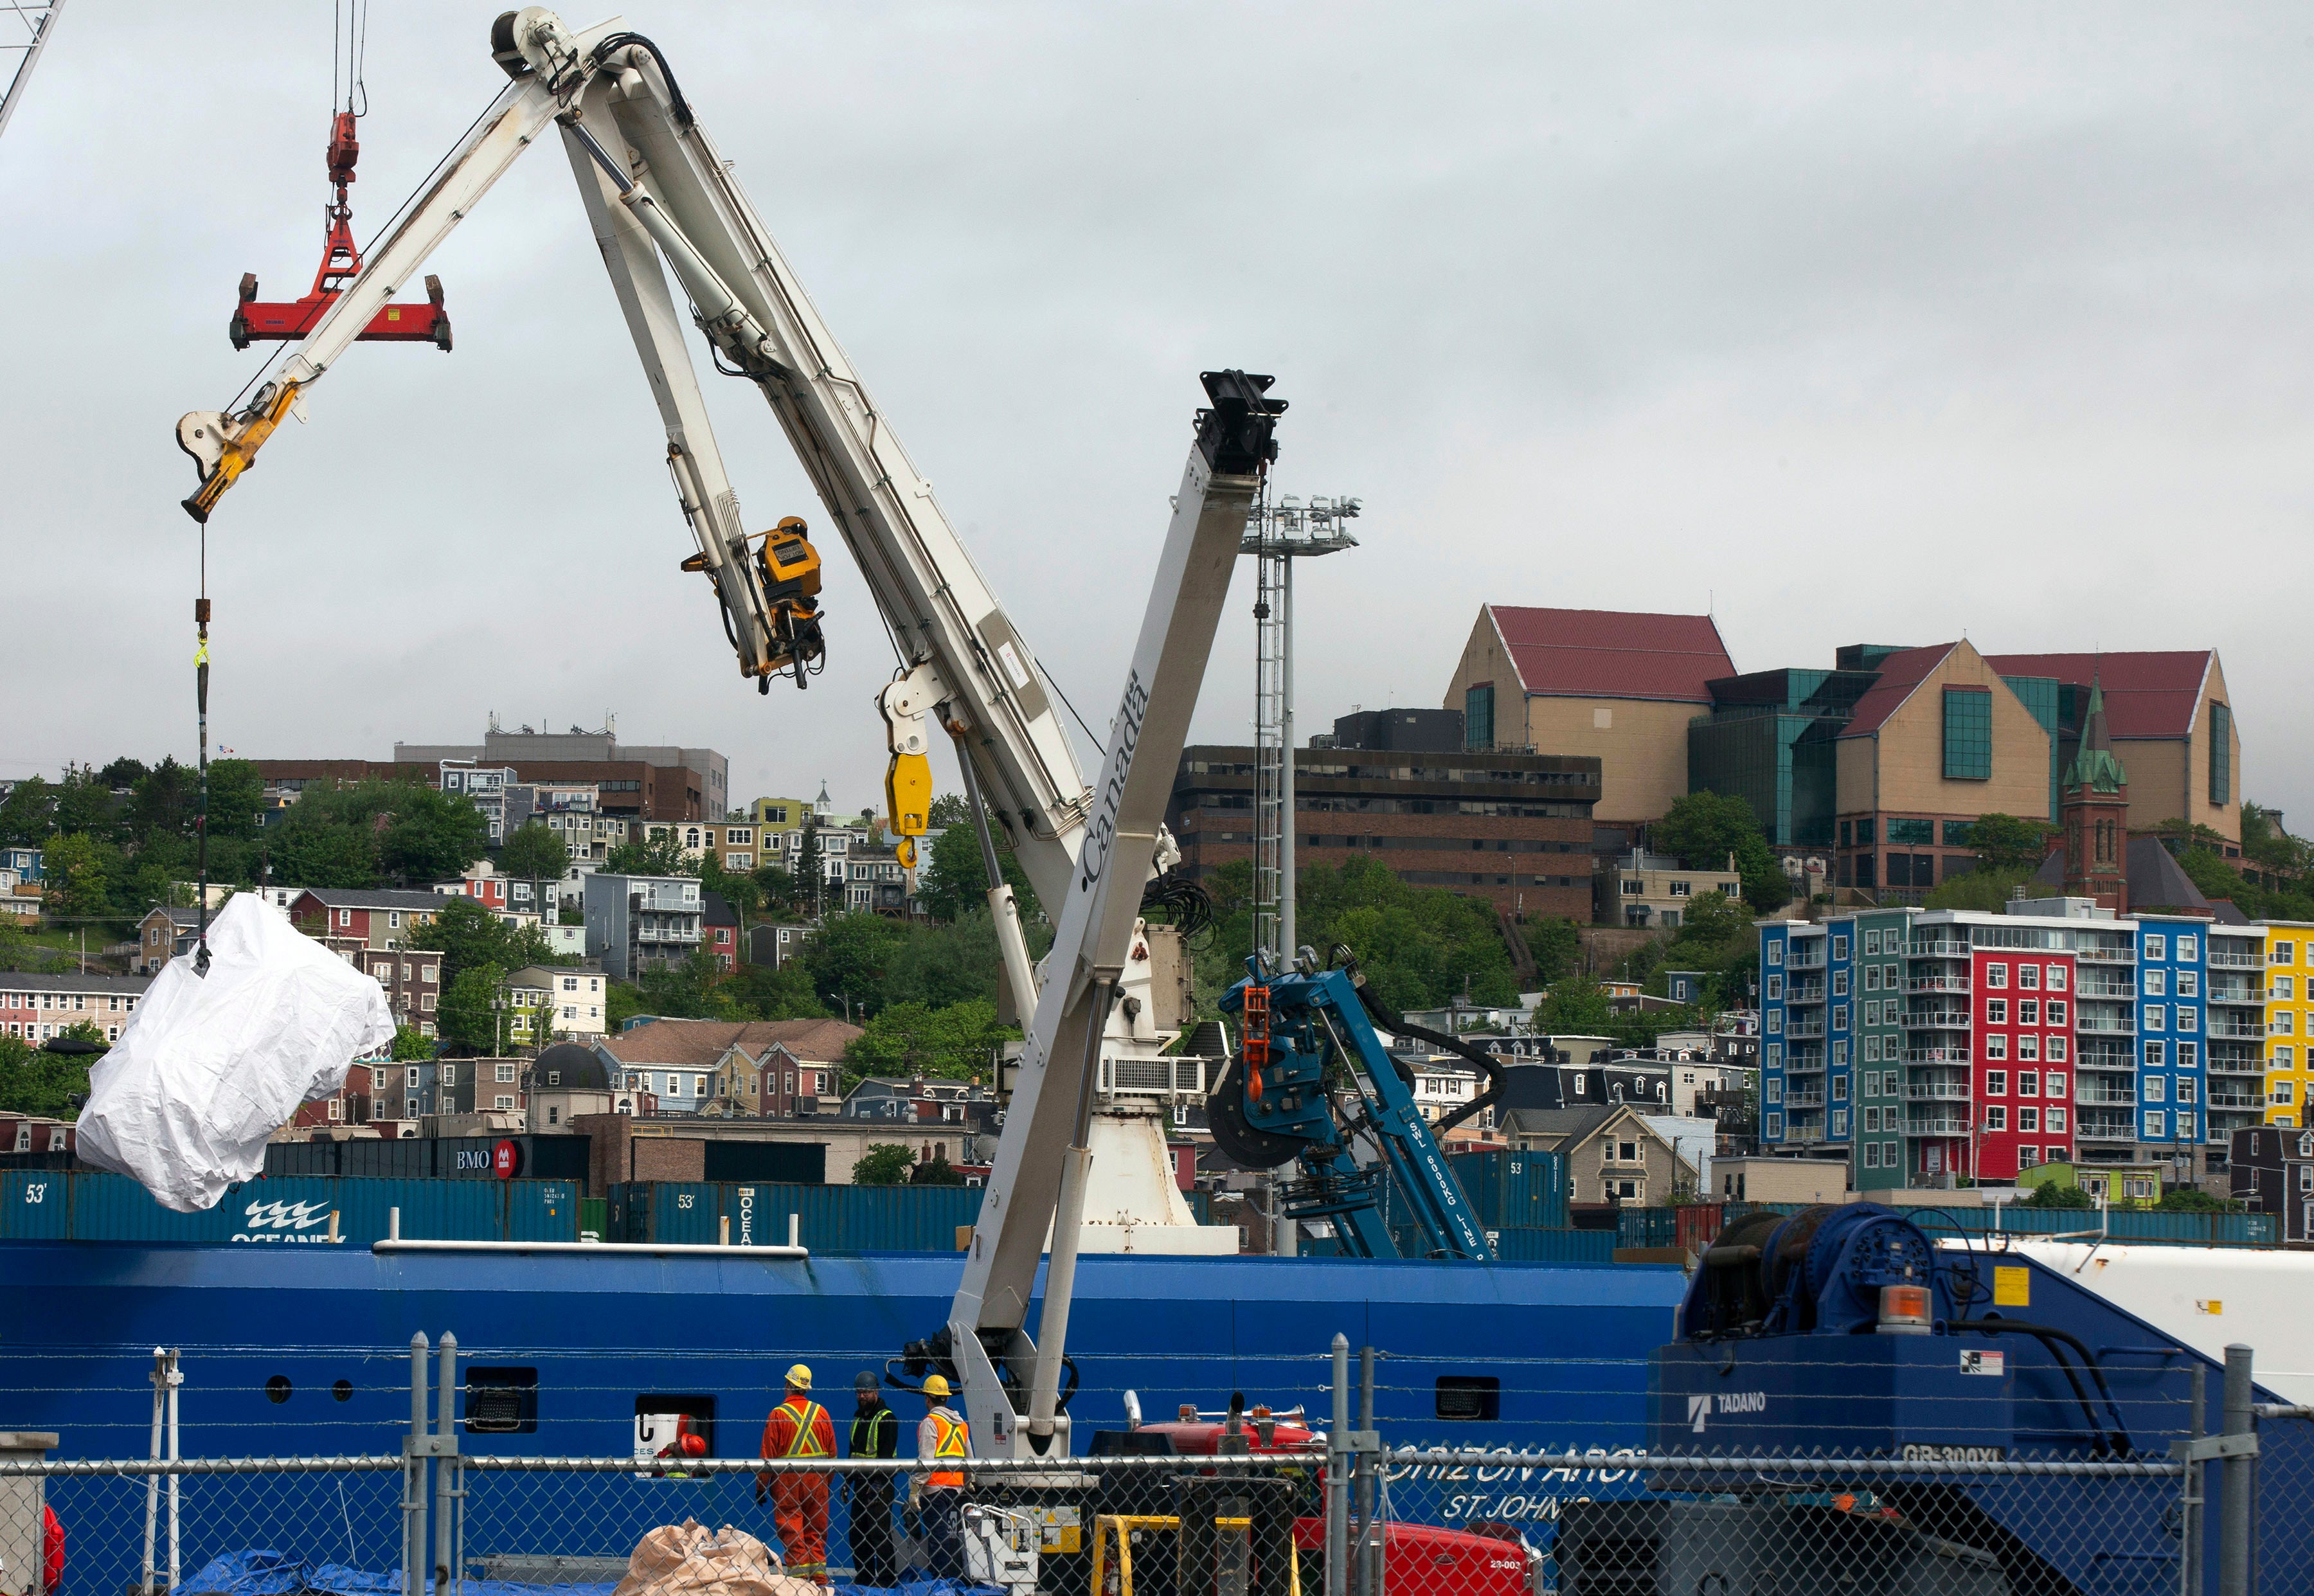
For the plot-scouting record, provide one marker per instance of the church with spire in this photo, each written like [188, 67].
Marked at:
[2094, 815]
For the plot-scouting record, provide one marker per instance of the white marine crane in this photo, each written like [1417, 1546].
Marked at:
[657, 192]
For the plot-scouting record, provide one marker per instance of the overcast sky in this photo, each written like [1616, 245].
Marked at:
[1848, 323]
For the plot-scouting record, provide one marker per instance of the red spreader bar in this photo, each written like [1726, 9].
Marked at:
[254, 319]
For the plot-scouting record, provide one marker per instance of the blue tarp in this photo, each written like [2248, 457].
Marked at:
[259, 1573]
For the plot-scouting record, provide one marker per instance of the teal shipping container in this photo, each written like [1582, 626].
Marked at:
[829, 1218]
[94, 1205]
[1535, 1244]
[542, 1210]
[1646, 1227]
[1514, 1190]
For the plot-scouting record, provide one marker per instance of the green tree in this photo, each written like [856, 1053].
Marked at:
[767, 993]
[162, 802]
[1978, 889]
[653, 856]
[939, 1171]
[33, 1080]
[235, 789]
[1704, 828]
[29, 815]
[692, 989]
[537, 854]
[77, 873]
[2059, 1193]
[955, 882]
[849, 956]
[884, 1164]
[778, 894]
[956, 1043]
[470, 936]
[2192, 1199]
[621, 1001]
[2214, 875]
[468, 1014]
[411, 1045]
[18, 951]
[85, 804]
[1714, 919]
[1555, 945]
[432, 836]
[2005, 842]
[1576, 1006]
[939, 964]
[122, 772]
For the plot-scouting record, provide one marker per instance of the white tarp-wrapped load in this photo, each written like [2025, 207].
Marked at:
[211, 1066]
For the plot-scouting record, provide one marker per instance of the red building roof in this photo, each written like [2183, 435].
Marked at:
[2147, 694]
[1612, 653]
[1900, 674]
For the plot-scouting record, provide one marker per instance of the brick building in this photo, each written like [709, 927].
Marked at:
[1512, 828]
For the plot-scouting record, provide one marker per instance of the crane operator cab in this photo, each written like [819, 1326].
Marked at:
[788, 568]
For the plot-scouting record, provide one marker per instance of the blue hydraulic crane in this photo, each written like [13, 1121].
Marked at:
[1313, 1084]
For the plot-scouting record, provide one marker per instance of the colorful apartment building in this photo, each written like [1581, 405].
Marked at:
[2059, 1031]
[2288, 1020]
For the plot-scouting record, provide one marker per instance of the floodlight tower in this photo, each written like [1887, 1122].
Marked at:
[20, 48]
[1277, 533]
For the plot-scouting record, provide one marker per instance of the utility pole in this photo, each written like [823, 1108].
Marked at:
[1276, 534]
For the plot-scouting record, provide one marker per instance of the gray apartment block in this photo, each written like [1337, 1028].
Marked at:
[636, 922]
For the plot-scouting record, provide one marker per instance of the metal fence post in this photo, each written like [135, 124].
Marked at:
[446, 1469]
[2191, 1495]
[1338, 1477]
[2233, 1527]
[413, 1476]
[1365, 1569]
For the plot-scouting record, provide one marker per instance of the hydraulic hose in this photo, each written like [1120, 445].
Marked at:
[2116, 1441]
[1396, 1024]
[674, 94]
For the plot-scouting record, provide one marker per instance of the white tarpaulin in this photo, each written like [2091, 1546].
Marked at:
[211, 1066]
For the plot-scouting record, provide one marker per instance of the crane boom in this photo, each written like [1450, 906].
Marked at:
[660, 200]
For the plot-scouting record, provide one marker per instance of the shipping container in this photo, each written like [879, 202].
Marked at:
[789, 1162]
[537, 1158]
[1696, 1225]
[665, 1213]
[1514, 1190]
[1647, 1227]
[541, 1210]
[594, 1219]
[852, 1218]
[302, 1158]
[95, 1205]
[409, 1157]
[1536, 1244]
[35, 1205]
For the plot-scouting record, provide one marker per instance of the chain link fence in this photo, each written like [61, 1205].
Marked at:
[1340, 1514]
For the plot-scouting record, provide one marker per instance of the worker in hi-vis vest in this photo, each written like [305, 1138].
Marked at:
[799, 1427]
[938, 1492]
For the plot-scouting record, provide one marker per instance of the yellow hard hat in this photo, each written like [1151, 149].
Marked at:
[935, 1385]
[800, 1377]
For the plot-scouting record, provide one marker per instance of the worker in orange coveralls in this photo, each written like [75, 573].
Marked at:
[799, 1427]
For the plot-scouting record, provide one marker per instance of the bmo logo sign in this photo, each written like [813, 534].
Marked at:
[503, 1160]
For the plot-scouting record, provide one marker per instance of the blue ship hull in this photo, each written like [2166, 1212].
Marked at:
[306, 1350]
